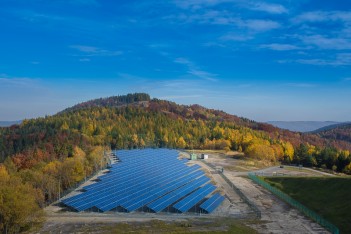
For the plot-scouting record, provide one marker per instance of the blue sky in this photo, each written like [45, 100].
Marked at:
[264, 60]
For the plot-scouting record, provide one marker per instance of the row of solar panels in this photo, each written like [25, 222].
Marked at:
[148, 179]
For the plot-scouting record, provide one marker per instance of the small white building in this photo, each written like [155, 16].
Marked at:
[204, 156]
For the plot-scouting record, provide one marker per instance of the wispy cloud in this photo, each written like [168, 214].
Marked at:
[213, 17]
[324, 42]
[347, 79]
[17, 81]
[179, 84]
[196, 4]
[235, 37]
[213, 44]
[95, 51]
[224, 18]
[323, 16]
[301, 85]
[251, 5]
[268, 7]
[259, 25]
[342, 59]
[195, 70]
[280, 47]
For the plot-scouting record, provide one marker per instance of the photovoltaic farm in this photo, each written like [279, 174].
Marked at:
[149, 180]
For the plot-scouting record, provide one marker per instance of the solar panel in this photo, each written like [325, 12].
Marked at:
[155, 193]
[151, 178]
[131, 190]
[212, 203]
[190, 201]
[170, 198]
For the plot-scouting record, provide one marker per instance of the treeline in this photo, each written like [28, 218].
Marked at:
[138, 127]
[35, 177]
[114, 101]
[326, 158]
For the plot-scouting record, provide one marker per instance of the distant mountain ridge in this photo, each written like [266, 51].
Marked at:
[302, 126]
[333, 126]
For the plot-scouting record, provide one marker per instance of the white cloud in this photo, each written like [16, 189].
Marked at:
[342, 59]
[323, 42]
[251, 5]
[183, 61]
[206, 17]
[213, 44]
[269, 8]
[195, 71]
[235, 37]
[203, 74]
[214, 17]
[259, 25]
[196, 4]
[323, 16]
[95, 51]
[279, 47]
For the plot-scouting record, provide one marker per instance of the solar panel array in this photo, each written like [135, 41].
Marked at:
[150, 180]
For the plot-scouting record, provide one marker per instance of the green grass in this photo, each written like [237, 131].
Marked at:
[157, 226]
[303, 170]
[329, 197]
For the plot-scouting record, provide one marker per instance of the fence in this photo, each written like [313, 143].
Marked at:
[65, 192]
[311, 214]
[253, 207]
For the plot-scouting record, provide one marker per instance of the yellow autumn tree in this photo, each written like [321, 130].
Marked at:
[181, 143]
[288, 150]
[19, 204]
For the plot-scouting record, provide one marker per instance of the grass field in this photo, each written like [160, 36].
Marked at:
[329, 197]
[223, 225]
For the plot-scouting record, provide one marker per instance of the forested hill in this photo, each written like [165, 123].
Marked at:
[197, 112]
[339, 132]
[136, 120]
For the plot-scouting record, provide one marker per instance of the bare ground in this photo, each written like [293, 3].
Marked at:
[277, 216]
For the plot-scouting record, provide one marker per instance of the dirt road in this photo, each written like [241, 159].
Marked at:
[278, 216]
